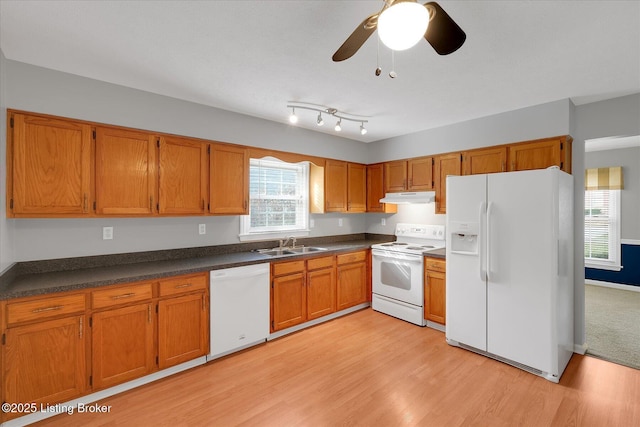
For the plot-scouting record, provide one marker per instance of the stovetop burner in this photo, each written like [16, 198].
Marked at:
[415, 239]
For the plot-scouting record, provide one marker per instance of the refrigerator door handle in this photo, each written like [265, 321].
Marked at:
[488, 246]
[481, 215]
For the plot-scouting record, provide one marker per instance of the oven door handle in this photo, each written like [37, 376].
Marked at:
[386, 255]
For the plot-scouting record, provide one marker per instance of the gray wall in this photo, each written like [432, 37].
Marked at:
[42, 90]
[629, 159]
[6, 231]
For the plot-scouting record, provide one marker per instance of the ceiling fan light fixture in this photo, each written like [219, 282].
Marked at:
[320, 121]
[363, 130]
[402, 25]
[338, 127]
[293, 119]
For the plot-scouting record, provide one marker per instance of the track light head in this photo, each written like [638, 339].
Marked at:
[338, 127]
[363, 130]
[320, 121]
[293, 119]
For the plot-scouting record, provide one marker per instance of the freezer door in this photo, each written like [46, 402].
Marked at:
[522, 266]
[466, 309]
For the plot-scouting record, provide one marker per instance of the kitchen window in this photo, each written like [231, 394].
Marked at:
[278, 200]
[602, 229]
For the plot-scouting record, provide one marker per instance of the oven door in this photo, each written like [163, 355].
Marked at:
[398, 276]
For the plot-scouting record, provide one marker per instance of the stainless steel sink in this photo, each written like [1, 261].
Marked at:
[307, 249]
[277, 252]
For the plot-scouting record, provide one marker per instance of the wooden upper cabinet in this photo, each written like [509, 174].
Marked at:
[395, 176]
[335, 186]
[182, 176]
[541, 154]
[448, 164]
[51, 167]
[375, 190]
[484, 160]
[357, 187]
[126, 172]
[420, 174]
[229, 180]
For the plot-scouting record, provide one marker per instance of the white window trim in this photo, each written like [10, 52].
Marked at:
[614, 264]
[246, 236]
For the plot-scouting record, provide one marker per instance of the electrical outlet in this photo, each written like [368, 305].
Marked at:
[383, 221]
[339, 222]
[202, 229]
[107, 233]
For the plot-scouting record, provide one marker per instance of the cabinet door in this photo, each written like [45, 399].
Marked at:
[535, 155]
[229, 186]
[484, 160]
[352, 285]
[182, 176]
[289, 301]
[420, 174]
[448, 164]
[183, 329]
[321, 293]
[51, 166]
[435, 296]
[45, 362]
[357, 187]
[123, 345]
[126, 172]
[395, 176]
[335, 186]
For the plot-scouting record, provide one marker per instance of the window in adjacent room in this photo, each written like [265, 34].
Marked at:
[278, 200]
[602, 218]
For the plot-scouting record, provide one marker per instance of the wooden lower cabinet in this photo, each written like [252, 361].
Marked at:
[288, 297]
[183, 332]
[122, 344]
[351, 279]
[44, 362]
[435, 290]
[321, 288]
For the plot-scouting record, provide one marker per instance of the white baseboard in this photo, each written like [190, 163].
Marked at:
[71, 406]
[313, 322]
[612, 285]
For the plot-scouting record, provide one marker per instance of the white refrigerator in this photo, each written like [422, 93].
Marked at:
[509, 278]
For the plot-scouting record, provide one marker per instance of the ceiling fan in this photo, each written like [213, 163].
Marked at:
[437, 27]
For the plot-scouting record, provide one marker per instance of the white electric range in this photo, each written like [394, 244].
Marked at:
[397, 271]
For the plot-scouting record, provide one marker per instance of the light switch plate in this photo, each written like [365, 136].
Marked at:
[202, 229]
[107, 233]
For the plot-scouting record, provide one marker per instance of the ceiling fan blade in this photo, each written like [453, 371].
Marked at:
[443, 34]
[356, 39]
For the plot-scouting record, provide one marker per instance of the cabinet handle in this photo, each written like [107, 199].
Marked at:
[85, 205]
[52, 308]
[184, 285]
[149, 313]
[502, 166]
[151, 203]
[80, 328]
[129, 295]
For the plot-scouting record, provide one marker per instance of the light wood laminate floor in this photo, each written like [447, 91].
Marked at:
[369, 369]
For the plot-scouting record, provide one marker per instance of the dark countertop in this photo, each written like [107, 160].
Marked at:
[32, 281]
[438, 253]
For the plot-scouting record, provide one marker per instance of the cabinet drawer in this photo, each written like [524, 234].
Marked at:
[322, 262]
[288, 267]
[182, 284]
[435, 264]
[121, 295]
[352, 257]
[44, 308]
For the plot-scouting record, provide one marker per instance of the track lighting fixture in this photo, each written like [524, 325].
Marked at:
[321, 109]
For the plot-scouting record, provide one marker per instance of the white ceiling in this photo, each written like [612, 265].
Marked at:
[612, 143]
[252, 57]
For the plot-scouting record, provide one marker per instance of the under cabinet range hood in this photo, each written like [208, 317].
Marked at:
[409, 197]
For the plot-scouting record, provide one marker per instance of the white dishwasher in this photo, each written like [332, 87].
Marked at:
[239, 316]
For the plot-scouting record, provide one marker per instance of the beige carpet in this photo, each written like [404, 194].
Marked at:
[613, 324]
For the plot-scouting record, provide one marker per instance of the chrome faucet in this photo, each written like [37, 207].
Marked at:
[283, 243]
